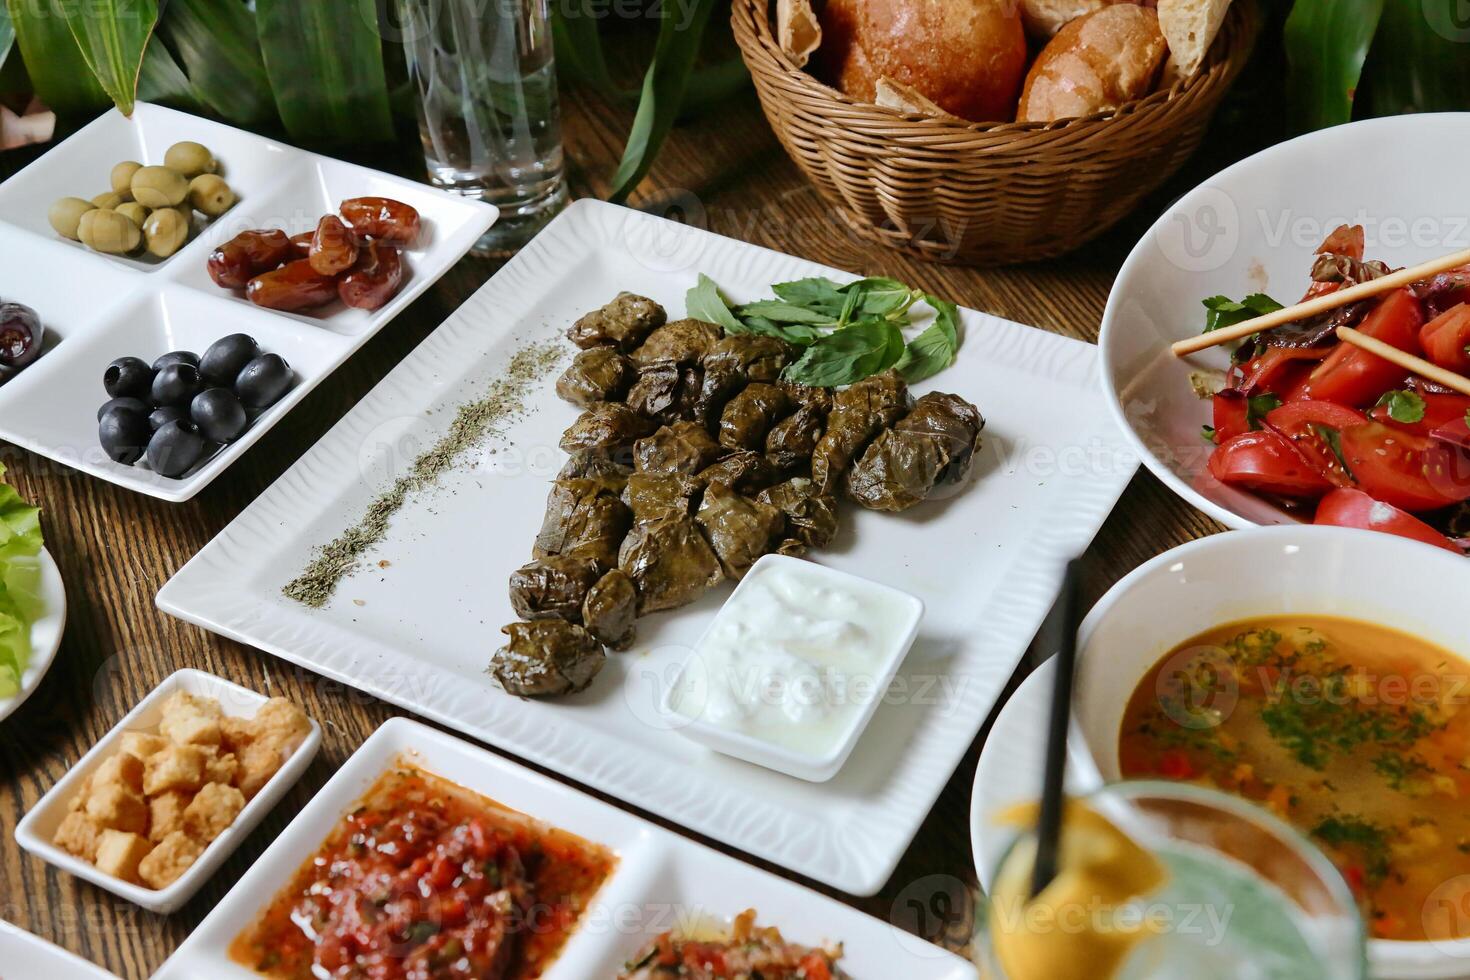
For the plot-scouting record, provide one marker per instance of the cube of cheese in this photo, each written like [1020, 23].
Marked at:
[117, 808]
[221, 766]
[119, 854]
[190, 720]
[213, 809]
[79, 802]
[166, 813]
[176, 767]
[281, 723]
[78, 836]
[258, 763]
[124, 769]
[142, 744]
[170, 859]
[235, 733]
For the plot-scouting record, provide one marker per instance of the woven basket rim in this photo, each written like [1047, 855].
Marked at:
[1235, 40]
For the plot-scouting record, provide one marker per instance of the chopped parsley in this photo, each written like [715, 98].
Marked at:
[1226, 312]
[1369, 839]
[1403, 406]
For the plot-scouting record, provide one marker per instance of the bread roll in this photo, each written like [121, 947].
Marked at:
[1043, 18]
[1189, 27]
[966, 56]
[797, 29]
[896, 95]
[1095, 63]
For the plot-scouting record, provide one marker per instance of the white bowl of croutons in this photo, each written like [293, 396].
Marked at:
[155, 807]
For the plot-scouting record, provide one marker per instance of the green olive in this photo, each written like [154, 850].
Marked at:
[110, 199]
[210, 195]
[135, 212]
[190, 159]
[122, 176]
[166, 231]
[66, 214]
[108, 231]
[159, 187]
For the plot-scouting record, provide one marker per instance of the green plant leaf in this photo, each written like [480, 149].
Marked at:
[935, 348]
[881, 296]
[855, 352]
[711, 85]
[7, 33]
[816, 293]
[575, 29]
[112, 36]
[1420, 59]
[704, 302]
[681, 29]
[54, 61]
[1327, 42]
[798, 334]
[324, 59]
[783, 312]
[163, 81]
[220, 51]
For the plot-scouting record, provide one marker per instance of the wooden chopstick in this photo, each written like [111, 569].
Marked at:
[1405, 360]
[1321, 304]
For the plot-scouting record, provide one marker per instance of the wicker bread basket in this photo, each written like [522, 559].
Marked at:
[983, 193]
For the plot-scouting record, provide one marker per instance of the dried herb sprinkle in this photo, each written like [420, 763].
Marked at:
[503, 401]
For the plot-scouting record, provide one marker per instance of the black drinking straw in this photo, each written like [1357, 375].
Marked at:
[1061, 635]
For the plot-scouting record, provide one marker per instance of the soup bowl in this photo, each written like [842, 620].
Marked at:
[1266, 572]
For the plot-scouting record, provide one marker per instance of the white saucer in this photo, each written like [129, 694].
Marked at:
[45, 634]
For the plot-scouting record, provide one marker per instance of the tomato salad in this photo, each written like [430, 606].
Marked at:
[1330, 430]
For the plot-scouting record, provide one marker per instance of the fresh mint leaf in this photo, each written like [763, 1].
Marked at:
[816, 294]
[793, 333]
[1258, 407]
[935, 348]
[1225, 312]
[782, 312]
[1403, 406]
[881, 296]
[704, 302]
[844, 356]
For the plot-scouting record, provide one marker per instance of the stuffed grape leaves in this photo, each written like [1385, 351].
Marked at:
[623, 323]
[859, 412]
[743, 470]
[740, 530]
[607, 428]
[653, 497]
[934, 443]
[546, 658]
[680, 342]
[792, 440]
[656, 392]
[748, 416]
[610, 608]
[955, 423]
[670, 563]
[811, 516]
[597, 375]
[683, 447]
[751, 356]
[553, 588]
[584, 518]
[607, 473]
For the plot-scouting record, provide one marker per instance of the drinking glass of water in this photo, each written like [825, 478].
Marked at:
[485, 77]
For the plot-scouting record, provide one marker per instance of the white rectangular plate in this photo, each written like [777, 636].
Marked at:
[661, 879]
[100, 307]
[26, 955]
[419, 630]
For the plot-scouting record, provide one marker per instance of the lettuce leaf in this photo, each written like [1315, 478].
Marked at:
[20, 543]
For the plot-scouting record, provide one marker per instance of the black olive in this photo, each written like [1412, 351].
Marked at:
[163, 416]
[176, 357]
[6, 374]
[176, 384]
[263, 381]
[123, 434]
[218, 414]
[131, 404]
[175, 448]
[227, 357]
[21, 335]
[128, 377]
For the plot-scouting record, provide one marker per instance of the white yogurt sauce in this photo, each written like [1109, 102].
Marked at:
[794, 657]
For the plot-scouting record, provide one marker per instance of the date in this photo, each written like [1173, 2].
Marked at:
[294, 286]
[333, 247]
[247, 255]
[301, 244]
[375, 279]
[383, 218]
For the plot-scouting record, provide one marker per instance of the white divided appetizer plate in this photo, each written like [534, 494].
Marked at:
[37, 828]
[27, 955]
[98, 307]
[418, 624]
[660, 880]
[46, 631]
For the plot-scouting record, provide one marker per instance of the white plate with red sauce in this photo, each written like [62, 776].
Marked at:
[659, 881]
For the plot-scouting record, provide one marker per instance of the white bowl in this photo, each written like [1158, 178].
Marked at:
[36, 829]
[1325, 571]
[1253, 227]
[695, 674]
[46, 632]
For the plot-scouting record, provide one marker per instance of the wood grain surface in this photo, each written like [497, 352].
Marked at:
[723, 171]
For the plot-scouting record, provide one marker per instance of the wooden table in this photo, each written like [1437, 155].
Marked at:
[724, 172]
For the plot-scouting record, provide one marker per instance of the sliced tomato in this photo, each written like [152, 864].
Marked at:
[1404, 469]
[1272, 370]
[1439, 410]
[1354, 508]
[1351, 375]
[1446, 339]
[1456, 432]
[1311, 426]
[1344, 240]
[1267, 462]
[1231, 415]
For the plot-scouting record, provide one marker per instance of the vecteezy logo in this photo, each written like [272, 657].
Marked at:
[1197, 687]
[1203, 236]
[1450, 19]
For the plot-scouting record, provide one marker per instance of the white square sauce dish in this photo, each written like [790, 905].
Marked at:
[793, 666]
